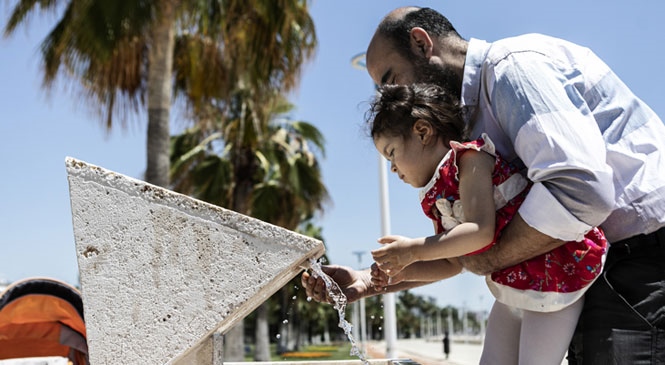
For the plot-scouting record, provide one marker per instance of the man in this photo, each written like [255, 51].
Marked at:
[594, 151]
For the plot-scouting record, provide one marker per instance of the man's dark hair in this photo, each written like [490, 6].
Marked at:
[397, 30]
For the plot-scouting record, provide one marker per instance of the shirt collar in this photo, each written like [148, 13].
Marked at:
[475, 55]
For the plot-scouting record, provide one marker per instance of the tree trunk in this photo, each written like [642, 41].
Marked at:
[234, 346]
[160, 57]
[262, 345]
[326, 333]
[234, 339]
[282, 345]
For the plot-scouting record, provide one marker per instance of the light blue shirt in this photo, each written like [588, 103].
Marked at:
[594, 150]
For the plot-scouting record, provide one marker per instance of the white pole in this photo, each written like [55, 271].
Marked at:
[361, 323]
[482, 320]
[422, 327]
[389, 312]
[464, 323]
[355, 329]
[449, 319]
[430, 327]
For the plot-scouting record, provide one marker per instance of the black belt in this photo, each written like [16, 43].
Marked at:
[640, 242]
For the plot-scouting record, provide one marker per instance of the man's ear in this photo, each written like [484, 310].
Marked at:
[423, 130]
[421, 43]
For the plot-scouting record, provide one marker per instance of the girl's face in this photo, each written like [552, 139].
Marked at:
[415, 158]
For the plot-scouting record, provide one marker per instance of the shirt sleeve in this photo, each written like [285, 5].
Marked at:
[538, 102]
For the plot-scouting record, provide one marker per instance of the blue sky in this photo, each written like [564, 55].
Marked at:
[38, 130]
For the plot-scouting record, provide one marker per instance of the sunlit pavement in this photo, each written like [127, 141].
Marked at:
[430, 352]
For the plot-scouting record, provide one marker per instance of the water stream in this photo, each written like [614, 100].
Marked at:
[339, 303]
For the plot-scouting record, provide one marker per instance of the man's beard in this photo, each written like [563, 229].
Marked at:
[434, 74]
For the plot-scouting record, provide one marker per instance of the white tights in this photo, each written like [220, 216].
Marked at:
[516, 336]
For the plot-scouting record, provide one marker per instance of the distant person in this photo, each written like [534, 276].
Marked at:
[592, 148]
[471, 194]
[446, 344]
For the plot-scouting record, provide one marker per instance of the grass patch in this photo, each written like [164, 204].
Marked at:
[305, 355]
[318, 352]
[336, 351]
[328, 348]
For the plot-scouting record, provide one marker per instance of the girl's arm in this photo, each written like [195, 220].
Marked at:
[477, 196]
[420, 271]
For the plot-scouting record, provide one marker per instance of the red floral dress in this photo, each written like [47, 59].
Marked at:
[548, 282]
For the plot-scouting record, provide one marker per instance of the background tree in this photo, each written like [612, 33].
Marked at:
[262, 168]
[120, 54]
[124, 56]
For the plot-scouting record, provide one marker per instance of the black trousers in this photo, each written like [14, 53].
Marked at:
[623, 320]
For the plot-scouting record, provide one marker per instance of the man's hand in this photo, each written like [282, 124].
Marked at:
[354, 284]
[519, 242]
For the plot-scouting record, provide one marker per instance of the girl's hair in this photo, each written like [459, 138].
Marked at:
[395, 109]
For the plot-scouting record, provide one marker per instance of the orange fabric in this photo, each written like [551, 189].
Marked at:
[35, 308]
[30, 326]
[21, 347]
[49, 331]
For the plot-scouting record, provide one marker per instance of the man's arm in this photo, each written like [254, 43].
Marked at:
[518, 242]
[355, 284]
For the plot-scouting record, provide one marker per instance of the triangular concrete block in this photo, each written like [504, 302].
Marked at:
[160, 271]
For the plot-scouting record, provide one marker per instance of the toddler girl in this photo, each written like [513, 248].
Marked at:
[471, 194]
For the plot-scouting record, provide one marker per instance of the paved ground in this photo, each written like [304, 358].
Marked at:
[430, 352]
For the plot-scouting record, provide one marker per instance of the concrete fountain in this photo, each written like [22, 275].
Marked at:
[163, 275]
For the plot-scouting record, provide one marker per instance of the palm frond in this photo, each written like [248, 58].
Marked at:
[23, 9]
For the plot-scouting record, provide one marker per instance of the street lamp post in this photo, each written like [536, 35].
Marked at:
[360, 310]
[389, 311]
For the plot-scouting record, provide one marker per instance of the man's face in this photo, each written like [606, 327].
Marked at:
[388, 66]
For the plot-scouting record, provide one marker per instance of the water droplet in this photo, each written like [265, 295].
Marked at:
[285, 321]
[380, 328]
[372, 316]
[309, 299]
[293, 297]
[278, 336]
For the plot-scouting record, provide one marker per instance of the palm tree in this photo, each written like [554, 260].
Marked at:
[262, 169]
[272, 164]
[120, 54]
[125, 54]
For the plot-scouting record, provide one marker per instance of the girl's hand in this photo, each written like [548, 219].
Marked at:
[395, 255]
[380, 280]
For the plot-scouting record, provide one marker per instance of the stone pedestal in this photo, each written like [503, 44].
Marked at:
[161, 272]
